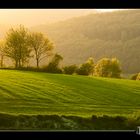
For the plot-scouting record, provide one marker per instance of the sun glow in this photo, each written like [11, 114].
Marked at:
[32, 17]
[108, 10]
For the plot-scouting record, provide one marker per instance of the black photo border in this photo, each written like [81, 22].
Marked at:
[69, 4]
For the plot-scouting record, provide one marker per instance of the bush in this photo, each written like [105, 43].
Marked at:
[108, 68]
[51, 69]
[138, 77]
[134, 76]
[69, 69]
[28, 69]
[53, 66]
[55, 122]
[87, 68]
[84, 69]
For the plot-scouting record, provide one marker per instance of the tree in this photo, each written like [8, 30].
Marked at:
[53, 66]
[90, 61]
[115, 68]
[134, 76]
[17, 47]
[41, 45]
[87, 68]
[138, 77]
[2, 45]
[69, 69]
[108, 68]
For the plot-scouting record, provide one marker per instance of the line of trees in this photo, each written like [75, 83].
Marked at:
[105, 68]
[20, 45]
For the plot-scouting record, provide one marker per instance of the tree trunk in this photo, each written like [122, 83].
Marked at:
[37, 63]
[16, 65]
[1, 61]
[19, 63]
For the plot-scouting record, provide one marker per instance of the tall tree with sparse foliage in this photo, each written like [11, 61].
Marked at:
[41, 46]
[17, 47]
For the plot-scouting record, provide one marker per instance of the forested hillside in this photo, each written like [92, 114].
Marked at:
[114, 34]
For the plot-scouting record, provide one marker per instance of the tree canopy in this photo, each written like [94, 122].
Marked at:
[108, 68]
[41, 46]
[17, 47]
[86, 68]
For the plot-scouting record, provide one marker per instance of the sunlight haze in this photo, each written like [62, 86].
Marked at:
[33, 17]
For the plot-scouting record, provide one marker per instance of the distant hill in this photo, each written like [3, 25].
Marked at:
[113, 34]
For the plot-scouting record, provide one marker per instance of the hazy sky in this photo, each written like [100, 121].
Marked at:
[32, 17]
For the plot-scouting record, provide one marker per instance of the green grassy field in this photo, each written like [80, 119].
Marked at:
[24, 92]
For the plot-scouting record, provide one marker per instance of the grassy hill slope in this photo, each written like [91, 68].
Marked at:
[23, 92]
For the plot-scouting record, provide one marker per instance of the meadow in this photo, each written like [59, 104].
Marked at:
[31, 93]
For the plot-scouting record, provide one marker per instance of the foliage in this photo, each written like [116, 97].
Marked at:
[41, 46]
[53, 66]
[56, 122]
[134, 76]
[138, 77]
[17, 46]
[2, 54]
[70, 69]
[87, 68]
[108, 68]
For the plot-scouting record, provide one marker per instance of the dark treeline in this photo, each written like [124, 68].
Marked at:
[56, 122]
